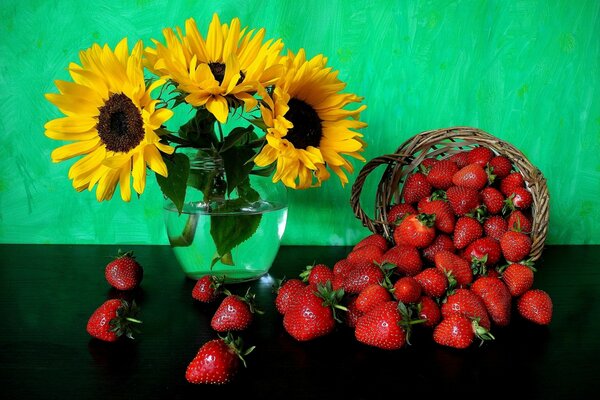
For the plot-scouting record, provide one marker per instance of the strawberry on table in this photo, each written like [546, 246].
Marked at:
[459, 332]
[366, 255]
[124, 272]
[217, 361]
[467, 303]
[342, 268]
[518, 278]
[208, 288]
[235, 313]
[374, 240]
[353, 314]
[113, 319]
[286, 293]
[407, 290]
[382, 327]
[496, 297]
[535, 305]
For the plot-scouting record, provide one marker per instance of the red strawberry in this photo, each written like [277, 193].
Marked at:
[361, 277]
[536, 306]
[235, 313]
[416, 230]
[480, 156]
[353, 314]
[444, 216]
[317, 274]
[458, 267]
[433, 281]
[372, 296]
[217, 361]
[366, 255]
[517, 221]
[511, 182]
[484, 252]
[459, 332]
[467, 230]
[286, 294]
[428, 163]
[520, 199]
[338, 282]
[311, 313]
[342, 267]
[462, 199]
[398, 212]
[440, 174]
[207, 288]
[493, 200]
[441, 242]
[113, 319]
[518, 279]
[429, 311]
[406, 258]
[407, 290]
[375, 240]
[500, 166]
[515, 246]
[461, 159]
[496, 297]
[472, 176]
[415, 188]
[381, 327]
[495, 226]
[493, 273]
[468, 304]
[124, 272]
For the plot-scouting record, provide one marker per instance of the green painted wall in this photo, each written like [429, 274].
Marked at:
[525, 71]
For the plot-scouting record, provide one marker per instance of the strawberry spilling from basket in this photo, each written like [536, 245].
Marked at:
[458, 229]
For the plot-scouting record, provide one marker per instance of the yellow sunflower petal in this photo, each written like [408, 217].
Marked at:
[124, 182]
[218, 107]
[71, 150]
[155, 161]
[139, 173]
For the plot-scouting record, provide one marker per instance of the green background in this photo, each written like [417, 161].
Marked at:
[525, 71]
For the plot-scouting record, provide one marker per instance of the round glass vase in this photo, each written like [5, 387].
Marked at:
[235, 235]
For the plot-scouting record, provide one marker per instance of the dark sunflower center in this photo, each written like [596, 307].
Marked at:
[120, 125]
[307, 129]
[218, 71]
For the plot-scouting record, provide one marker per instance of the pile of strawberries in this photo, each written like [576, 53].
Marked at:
[457, 263]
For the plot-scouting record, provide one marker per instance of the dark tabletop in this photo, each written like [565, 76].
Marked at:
[48, 292]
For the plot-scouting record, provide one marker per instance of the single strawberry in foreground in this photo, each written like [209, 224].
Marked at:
[124, 272]
[286, 293]
[235, 313]
[536, 306]
[217, 361]
[113, 319]
[208, 288]
[459, 332]
[467, 303]
[383, 327]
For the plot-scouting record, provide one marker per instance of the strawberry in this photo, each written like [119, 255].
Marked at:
[440, 174]
[217, 361]
[468, 304]
[113, 319]
[467, 230]
[495, 226]
[372, 296]
[459, 332]
[342, 268]
[444, 216]
[515, 246]
[317, 274]
[374, 240]
[416, 230]
[462, 199]
[235, 313]
[353, 314]
[381, 327]
[461, 159]
[520, 199]
[366, 255]
[311, 314]
[361, 277]
[472, 176]
[406, 258]
[458, 267]
[480, 156]
[441, 242]
[429, 311]
[428, 163]
[398, 212]
[207, 288]
[415, 188]
[433, 282]
[496, 297]
[286, 294]
[483, 253]
[500, 167]
[518, 278]
[407, 290]
[511, 182]
[493, 199]
[124, 272]
[535, 305]
[517, 221]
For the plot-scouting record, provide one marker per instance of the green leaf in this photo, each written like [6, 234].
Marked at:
[235, 137]
[200, 130]
[266, 171]
[174, 185]
[228, 232]
[237, 167]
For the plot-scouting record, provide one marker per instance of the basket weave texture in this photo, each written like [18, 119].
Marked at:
[443, 143]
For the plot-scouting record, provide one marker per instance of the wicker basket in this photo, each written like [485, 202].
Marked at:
[442, 143]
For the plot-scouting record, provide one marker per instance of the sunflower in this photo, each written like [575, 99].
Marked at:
[308, 129]
[112, 121]
[224, 70]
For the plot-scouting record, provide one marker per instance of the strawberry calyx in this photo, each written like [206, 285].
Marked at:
[236, 344]
[407, 321]
[480, 332]
[427, 220]
[480, 213]
[509, 204]
[331, 298]
[125, 322]
[479, 265]
[388, 269]
[439, 195]
[489, 171]
[126, 254]
[248, 298]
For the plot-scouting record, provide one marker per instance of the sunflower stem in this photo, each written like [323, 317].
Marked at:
[221, 136]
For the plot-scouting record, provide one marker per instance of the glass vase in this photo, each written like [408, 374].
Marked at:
[236, 235]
